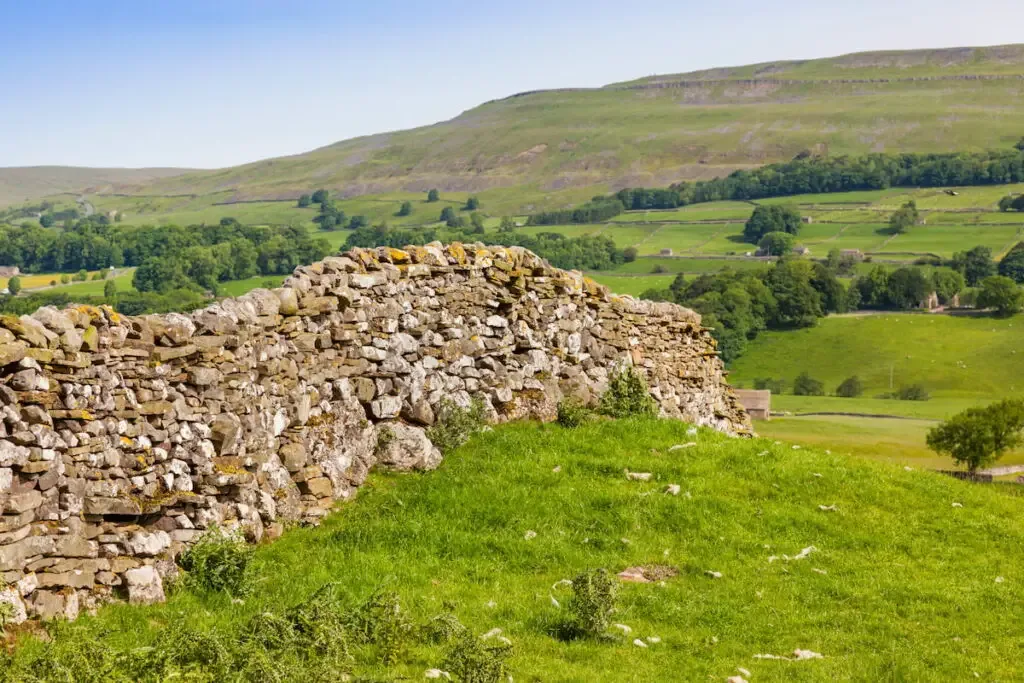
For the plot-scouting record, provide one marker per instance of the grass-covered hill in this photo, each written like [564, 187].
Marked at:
[906, 575]
[656, 131]
[18, 184]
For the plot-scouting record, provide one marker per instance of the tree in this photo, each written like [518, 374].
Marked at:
[405, 209]
[358, 222]
[109, 290]
[1020, 145]
[83, 275]
[907, 288]
[851, 387]
[14, 285]
[979, 436]
[904, 218]
[797, 304]
[766, 219]
[433, 196]
[1012, 265]
[508, 224]
[447, 214]
[805, 385]
[975, 264]
[629, 254]
[776, 243]
[47, 220]
[947, 284]
[304, 201]
[320, 197]
[476, 219]
[159, 275]
[65, 278]
[472, 204]
[1002, 294]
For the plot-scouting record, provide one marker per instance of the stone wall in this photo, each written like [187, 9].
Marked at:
[121, 438]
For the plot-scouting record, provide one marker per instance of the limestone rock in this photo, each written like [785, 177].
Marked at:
[404, 447]
[145, 586]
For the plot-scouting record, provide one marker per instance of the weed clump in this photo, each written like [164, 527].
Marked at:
[593, 600]
[220, 562]
[381, 622]
[627, 395]
[443, 628]
[476, 660]
[572, 412]
[455, 424]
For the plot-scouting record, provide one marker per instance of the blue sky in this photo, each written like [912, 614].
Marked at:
[212, 83]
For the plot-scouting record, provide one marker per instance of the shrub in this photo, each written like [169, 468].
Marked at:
[851, 387]
[319, 624]
[658, 269]
[572, 412]
[979, 436]
[14, 285]
[592, 603]
[220, 562]
[913, 392]
[805, 385]
[475, 660]
[381, 622]
[627, 395]
[444, 628]
[776, 386]
[455, 424]
[629, 254]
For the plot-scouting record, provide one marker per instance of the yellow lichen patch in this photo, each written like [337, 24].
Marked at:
[457, 252]
[397, 255]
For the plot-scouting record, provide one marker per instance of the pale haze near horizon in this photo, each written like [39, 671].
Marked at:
[224, 82]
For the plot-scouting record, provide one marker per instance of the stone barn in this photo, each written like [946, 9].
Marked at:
[757, 403]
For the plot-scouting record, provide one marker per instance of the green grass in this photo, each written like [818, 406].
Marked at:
[908, 592]
[240, 287]
[95, 287]
[632, 284]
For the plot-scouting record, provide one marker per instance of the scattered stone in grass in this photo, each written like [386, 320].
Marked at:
[736, 679]
[491, 604]
[681, 446]
[828, 508]
[692, 431]
[648, 573]
[530, 535]
[493, 633]
[795, 447]
[653, 640]
[557, 469]
[908, 468]
[806, 654]
[562, 582]
[638, 476]
[639, 643]
[673, 489]
[437, 673]
[625, 541]
[1000, 579]
[803, 554]
[743, 671]
[828, 452]
[818, 475]
[818, 571]
[763, 453]
[713, 574]
[777, 443]
[633, 575]
[555, 602]
[958, 505]
[622, 627]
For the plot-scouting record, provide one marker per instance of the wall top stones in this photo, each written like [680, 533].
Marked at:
[123, 438]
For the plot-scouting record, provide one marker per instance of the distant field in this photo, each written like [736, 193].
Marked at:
[240, 287]
[632, 284]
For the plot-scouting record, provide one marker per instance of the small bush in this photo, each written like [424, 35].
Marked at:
[474, 660]
[380, 621]
[444, 628]
[455, 424]
[805, 385]
[914, 392]
[776, 386]
[320, 622]
[851, 387]
[627, 395]
[592, 603]
[385, 436]
[220, 562]
[572, 412]
[658, 269]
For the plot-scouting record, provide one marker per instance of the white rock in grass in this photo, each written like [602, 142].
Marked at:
[530, 535]
[714, 574]
[692, 431]
[736, 679]
[681, 446]
[639, 643]
[769, 657]
[673, 489]
[653, 640]
[558, 584]
[622, 627]
[493, 633]
[743, 671]
[1000, 579]
[908, 468]
[557, 469]
[491, 604]
[437, 673]
[805, 552]
[819, 571]
[806, 654]
[763, 453]
[638, 476]
[555, 602]
[958, 505]
[818, 475]
[828, 508]
[795, 447]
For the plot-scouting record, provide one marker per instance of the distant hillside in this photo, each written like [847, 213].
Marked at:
[661, 129]
[27, 182]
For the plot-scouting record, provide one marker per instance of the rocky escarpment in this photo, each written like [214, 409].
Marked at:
[121, 439]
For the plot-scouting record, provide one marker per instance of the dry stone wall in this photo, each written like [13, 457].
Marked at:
[123, 438]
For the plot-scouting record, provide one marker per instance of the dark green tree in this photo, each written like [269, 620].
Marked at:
[1012, 265]
[304, 201]
[947, 284]
[47, 220]
[776, 243]
[472, 204]
[320, 197]
[766, 219]
[447, 214]
[979, 436]
[14, 285]
[906, 217]
[851, 387]
[109, 290]
[476, 219]
[805, 385]
[797, 303]
[1002, 294]
[975, 264]
[508, 224]
[629, 254]
[357, 222]
[405, 209]
[908, 287]
[433, 196]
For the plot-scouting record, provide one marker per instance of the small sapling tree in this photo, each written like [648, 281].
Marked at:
[979, 436]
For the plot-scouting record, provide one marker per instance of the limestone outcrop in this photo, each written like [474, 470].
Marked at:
[123, 438]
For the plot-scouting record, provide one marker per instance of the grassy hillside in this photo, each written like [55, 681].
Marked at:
[18, 184]
[900, 584]
[656, 131]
